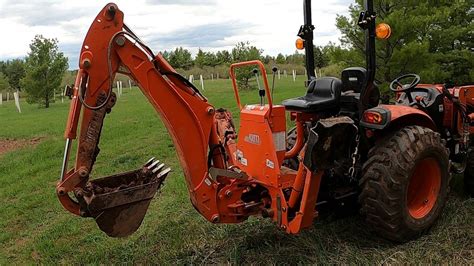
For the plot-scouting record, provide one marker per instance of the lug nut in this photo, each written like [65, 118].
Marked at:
[79, 194]
[215, 218]
[86, 63]
[210, 110]
[120, 41]
[83, 172]
[61, 191]
[111, 11]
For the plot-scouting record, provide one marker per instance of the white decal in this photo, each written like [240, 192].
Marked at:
[270, 164]
[253, 139]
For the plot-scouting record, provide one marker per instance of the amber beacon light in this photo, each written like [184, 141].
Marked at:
[383, 31]
[299, 44]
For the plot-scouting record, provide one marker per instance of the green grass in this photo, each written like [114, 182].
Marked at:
[35, 229]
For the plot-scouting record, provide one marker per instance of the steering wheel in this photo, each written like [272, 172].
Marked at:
[398, 86]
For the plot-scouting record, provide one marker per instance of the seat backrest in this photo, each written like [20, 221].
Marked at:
[325, 87]
[353, 79]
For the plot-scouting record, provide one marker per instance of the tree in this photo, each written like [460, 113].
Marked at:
[296, 59]
[180, 58]
[15, 71]
[280, 59]
[44, 69]
[268, 59]
[3, 67]
[223, 57]
[3, 82]
[205, 59]
[321, 58]
[244, 52]
[429, 37]
[200, 59]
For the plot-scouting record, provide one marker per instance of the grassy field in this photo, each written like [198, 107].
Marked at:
[35, 229]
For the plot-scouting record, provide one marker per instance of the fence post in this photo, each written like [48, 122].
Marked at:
[16, 95]
[202, 82]
[118, 88]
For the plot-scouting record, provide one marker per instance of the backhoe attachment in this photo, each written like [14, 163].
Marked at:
[227, 180]
[118, 203]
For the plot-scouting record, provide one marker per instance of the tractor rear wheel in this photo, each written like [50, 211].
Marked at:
[405, 183]
[469, 174]
[291, 163]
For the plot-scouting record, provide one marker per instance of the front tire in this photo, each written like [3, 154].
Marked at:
[405, 183]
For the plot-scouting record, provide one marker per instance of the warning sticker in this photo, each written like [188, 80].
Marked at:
[279, 140]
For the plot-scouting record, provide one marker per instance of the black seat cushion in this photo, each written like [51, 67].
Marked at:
[323, 95]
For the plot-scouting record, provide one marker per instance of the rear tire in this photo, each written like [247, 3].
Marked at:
[469, 174]
[405, 183]
[291, 163]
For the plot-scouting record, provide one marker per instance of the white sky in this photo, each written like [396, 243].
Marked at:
[166, 24]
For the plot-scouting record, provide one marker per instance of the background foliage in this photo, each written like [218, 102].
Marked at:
[433, 38]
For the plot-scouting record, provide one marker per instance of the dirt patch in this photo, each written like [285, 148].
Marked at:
[7, 145]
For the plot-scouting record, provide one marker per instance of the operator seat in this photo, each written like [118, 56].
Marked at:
[353, 79]
[322, 96]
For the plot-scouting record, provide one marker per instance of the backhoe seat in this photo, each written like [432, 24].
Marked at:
[323, 95]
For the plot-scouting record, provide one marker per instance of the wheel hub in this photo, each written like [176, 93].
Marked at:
[423, 188]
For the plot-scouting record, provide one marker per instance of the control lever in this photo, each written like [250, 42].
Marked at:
[274, 70]
[261, 91]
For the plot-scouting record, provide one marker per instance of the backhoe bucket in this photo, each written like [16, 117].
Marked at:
[119, 203]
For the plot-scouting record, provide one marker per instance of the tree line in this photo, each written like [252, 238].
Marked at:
[212, 63]
[432, 38]
[181, 58]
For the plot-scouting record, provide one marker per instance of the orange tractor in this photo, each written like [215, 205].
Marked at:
[396, 159]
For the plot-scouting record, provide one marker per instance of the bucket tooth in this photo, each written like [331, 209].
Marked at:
[158, 168]
[152, 159]
[151, 166]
